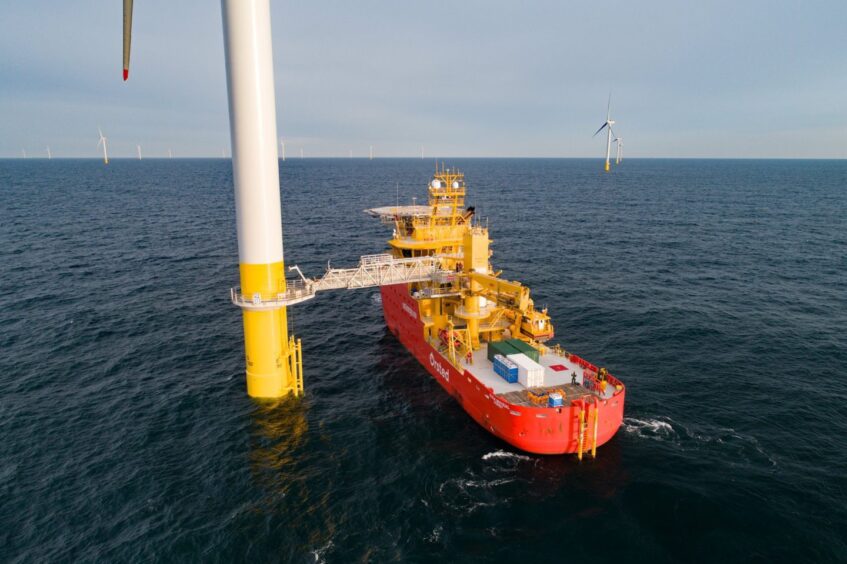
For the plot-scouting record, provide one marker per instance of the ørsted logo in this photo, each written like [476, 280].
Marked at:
[438, 368]
[412, 313]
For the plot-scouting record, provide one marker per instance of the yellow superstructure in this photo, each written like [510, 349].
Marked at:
[474, 305]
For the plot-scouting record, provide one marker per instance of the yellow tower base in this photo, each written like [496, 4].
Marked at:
[607, 166]
[274, 361]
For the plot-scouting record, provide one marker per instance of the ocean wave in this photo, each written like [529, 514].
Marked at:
[319, 553]
[741, 446]
[656, 429]
[503, 454]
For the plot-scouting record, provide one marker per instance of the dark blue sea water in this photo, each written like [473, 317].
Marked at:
[717, 290]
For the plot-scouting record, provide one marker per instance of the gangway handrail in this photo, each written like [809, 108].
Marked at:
[372, 271]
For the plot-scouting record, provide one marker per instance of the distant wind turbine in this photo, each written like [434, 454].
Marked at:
[49, 154]
[102, 141]
[170, 154]
[351, 153]
[223, 153]
[282, 143]
[23, 151]
[301, 152]
[421, 152]
[619, 141]
[138, 149]
[372, 153]
[607, 124]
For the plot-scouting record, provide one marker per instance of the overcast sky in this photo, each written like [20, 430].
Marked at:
[739, 78]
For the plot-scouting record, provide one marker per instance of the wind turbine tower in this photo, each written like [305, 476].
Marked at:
[138, 150]
[619, 158]
[170, 154]
[49, 154]
[102, 141]
[274, 359]
[608, 126]
[282, 144]
[372, 153]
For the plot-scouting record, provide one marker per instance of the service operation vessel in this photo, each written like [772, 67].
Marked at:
[481, 337]
[478, 334]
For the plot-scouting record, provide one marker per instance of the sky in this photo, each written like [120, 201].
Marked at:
[726, 79]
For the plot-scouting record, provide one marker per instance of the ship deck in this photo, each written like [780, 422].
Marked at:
[554, 378]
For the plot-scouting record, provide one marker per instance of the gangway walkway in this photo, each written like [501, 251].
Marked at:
[373, 270]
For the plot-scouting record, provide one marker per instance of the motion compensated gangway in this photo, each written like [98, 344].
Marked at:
[373, 270]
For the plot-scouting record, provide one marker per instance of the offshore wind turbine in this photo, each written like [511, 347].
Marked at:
[282, 144]
[23, 151]
[49, 154]
[170, 154]
[372, 153]
[301, 152]
[138, 149]
[619, 158]
[102, 141]
[607, 125]
[421, 152]
[351, 153]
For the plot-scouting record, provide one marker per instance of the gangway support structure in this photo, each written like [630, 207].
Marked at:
[372, 271]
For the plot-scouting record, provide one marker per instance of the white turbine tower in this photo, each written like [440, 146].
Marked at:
[422, 152]
[301, 152]
[170, 154]
[23, 151]
[607, 124]
[619, 158]
[102, 141]
[138, 149]
[372, 153]
[282, 144]
[49, 154]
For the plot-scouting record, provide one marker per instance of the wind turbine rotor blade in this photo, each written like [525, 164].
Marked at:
[609, 107]
[127, 35]
[601, 129]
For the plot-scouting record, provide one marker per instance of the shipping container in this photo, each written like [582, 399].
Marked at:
[525, 348]
[501, 348]
[505, 368]
[530, 373]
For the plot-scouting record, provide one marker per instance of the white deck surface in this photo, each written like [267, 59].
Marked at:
[483, 370]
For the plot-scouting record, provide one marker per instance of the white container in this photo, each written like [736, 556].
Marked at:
[530, 373]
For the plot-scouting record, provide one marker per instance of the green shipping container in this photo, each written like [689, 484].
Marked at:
[523, 347]
[500, 347]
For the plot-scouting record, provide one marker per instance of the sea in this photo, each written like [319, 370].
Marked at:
[715, 289]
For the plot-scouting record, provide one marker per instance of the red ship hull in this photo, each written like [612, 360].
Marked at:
[539, 430]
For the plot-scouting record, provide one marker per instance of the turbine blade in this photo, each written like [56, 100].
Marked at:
[601, 129]
[127, 35]
[609, 107]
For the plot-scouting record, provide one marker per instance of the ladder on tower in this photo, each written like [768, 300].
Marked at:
[372, 271]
